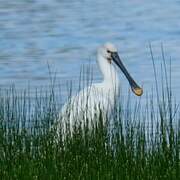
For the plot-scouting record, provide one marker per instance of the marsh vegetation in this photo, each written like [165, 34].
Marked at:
[144, 142]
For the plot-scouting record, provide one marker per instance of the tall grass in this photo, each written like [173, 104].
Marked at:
[144, 142]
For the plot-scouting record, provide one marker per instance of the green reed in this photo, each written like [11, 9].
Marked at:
[143, 142]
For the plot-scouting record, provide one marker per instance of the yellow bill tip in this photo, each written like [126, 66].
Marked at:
[138, 91]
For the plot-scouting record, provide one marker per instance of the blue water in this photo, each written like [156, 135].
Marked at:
[66, 33]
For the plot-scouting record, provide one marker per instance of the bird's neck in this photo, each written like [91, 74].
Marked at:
[110, 75]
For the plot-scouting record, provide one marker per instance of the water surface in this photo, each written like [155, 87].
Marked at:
[65, 35]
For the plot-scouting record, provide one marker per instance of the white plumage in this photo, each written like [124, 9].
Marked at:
[98, 96]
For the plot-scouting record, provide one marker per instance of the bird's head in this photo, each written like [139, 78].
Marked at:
[110, 53]
[106, 51]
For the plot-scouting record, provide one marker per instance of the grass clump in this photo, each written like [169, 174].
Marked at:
[143, 142]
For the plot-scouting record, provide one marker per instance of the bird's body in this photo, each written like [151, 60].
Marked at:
[87, 104]
[98, 97]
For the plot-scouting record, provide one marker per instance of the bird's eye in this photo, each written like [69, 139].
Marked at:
[108, 51]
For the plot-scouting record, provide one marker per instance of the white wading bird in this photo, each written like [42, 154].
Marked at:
[86, 104]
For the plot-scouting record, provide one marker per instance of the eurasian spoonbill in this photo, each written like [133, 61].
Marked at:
[86, 104]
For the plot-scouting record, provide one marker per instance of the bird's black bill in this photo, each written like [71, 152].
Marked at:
[135, 88]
